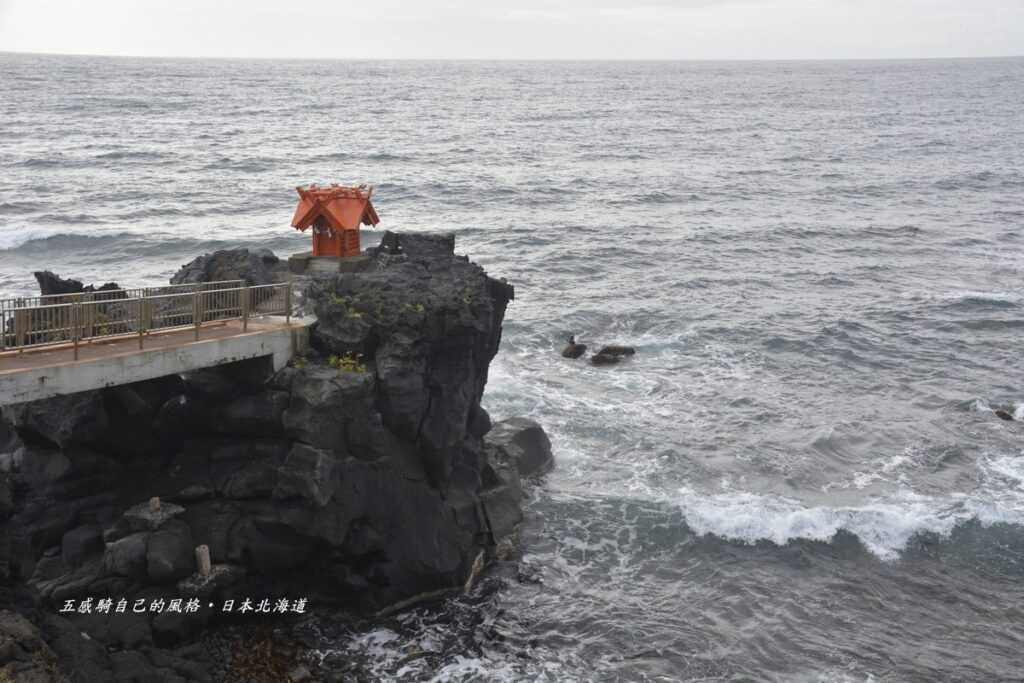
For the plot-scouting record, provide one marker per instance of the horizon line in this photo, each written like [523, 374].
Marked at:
[514, 59]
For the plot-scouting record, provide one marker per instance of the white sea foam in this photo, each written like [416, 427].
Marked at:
[1001, 296]
[982, 406]
[892, 469]
[1008, 468]
[833, 676]
[471, 669]
[884, 526]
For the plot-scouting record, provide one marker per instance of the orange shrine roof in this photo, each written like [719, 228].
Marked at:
[341, 207]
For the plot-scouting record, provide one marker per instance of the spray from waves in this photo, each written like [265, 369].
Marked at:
[883, 527]
[1016, 408]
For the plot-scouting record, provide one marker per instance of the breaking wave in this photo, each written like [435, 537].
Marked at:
[884, 527]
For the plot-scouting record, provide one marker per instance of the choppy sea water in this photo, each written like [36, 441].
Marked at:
[799, 477]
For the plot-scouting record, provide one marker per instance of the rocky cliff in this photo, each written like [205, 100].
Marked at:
[363, 475]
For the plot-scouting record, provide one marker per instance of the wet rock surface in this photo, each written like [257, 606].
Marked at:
[257, 267]
[357, 478]
[50, 283]
[520, 443]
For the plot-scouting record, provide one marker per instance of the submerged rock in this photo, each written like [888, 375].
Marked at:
[1004, 415]
[612, 354]
[616, 350]
[573, 350]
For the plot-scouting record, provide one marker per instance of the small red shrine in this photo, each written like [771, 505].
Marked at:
[335, 213]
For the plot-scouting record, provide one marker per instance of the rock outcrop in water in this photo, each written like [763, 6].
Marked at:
[610, 355]
[258, 267]
[361, 477]
[51, 283]
[573, 349]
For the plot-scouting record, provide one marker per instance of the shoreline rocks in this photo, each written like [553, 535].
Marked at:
[257, 267]
[50, 283]
[357, 484]
[522, 443]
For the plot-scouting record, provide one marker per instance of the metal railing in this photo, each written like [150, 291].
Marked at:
[118, 293]
[33, 322]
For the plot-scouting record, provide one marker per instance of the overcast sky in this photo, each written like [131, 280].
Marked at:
[517, 29]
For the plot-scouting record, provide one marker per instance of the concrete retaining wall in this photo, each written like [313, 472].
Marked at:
[31, 384]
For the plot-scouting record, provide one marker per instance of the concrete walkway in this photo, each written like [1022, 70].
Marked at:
[52, 371]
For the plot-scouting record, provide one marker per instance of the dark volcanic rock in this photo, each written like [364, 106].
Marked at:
[421, 245]
[605, 359]
[308, 473]
[81, 542]
[82, 658]
[479, 422]
[612, 354]
[229, 381]
[24, 656]
[365, 474]
[127, 556]
[573, 350]
[521, 442]
[268, 257]
[51, 283]
[170, 553]
[617, 349]
[259, 267]
[6, 499]
[118, 420]
[62, 420]
[258, 414]
[429, 323]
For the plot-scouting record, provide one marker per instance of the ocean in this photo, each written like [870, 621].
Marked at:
[800, 476]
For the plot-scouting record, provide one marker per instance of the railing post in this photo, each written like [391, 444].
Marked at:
[288, 303]
[244, 293]
[76, 325]
[196, 319]
[142, 318]
[88, 328]
[21, 317]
